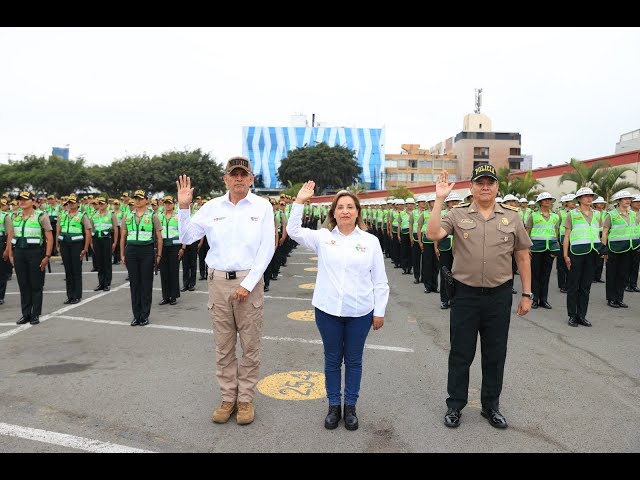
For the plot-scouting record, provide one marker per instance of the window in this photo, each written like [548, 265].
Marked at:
[437, 164]
[413, 177]
[514, 151]
[425, 164]
[453, 177]
[481, 152]
[402, 164]
[514, 163]
[480, 125]
[413, 164]
[424, 177]
[401, 177]
[475, 164]
[450, 165]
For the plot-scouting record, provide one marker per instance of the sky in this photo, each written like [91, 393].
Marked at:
[112, 92]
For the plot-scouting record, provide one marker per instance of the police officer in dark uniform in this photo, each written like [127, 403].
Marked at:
[33, 242]
[138, 230]
[105, 238]
[6, 235]
[487, 234]
[172, 251]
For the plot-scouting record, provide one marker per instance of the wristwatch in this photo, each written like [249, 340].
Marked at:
[528, 295]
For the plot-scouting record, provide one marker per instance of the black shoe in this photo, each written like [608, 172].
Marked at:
[545, 304]
[274, 277]
[1, 301]
[184, 289]
[135, 322]
[496, 419]
[623, 305]
[164, 301]
[452, 417]
[396, 266]
[573, 321]
[67, 301]
[435, 290]
[266, 288]
[74, 301]
[635, 289]
[191, 288]
[613, 304]
[116, 263]
[143, 322]
[35, 320]
[202, 278]
[597, 280]
[333, 417]
[172, 301]
[94, 269]
[444, 305]
[107, 288]
[405, 272]
[23, 320]
[513, 291]
[584, 321]
[534, 304]
[563, 290]
[416, 281]
[98, 288]
[427, 290]
[350, 419]
[628, 289]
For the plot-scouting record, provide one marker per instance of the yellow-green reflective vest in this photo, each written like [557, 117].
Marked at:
[27, 233]
[170, 232]
[71, 227]
[404, 222]
[446, 243]
[102, 225]
[426, 215]
[543, 233]
[3, 230]
[395, 216]
[142, 232]
[621, 235]
[584, 237]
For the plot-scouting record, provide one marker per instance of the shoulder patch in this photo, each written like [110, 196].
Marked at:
[461, 205]
[515, 209]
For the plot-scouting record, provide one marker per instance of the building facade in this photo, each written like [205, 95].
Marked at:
[267, 146]
[415, 166]
[628, 142]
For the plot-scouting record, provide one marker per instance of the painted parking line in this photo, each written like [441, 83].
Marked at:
[301, 263]
[208, 331]
[46, 317]
[52, 291]
[65, 440]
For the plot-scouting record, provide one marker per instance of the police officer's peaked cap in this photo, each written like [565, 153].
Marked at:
[139, 194]
[27, 196]
[484, 170]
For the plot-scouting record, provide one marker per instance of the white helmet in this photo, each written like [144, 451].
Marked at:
[508, 197]
[599, 200]
[499, 200]
[422, 198]
[636, 198]
[543, 196]
[453, 196]
[570, 197]
[469, 194]
[584, 191]
[431, 197]
[399, 201]
[531, 202]
[410, 200]
[522, 199]
[383, 202]
[620, 195]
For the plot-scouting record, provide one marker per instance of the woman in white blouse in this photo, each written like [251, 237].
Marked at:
[351, 294]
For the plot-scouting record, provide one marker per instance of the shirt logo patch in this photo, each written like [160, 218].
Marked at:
[217, 219]
[466, 220]
[255, 219]
[505, 221]
[361, 248]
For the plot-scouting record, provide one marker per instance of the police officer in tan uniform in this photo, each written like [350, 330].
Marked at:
[487, 234]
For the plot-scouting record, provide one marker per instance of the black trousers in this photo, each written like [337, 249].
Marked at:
[189, 265]
[170, 272]
[395, 249]
[416, 260]
[387, 244]
[563, 273]
[5, 270]
[446, 260]
[30, 279]
[579, 283]
[140, 262]
[72, 262]
[633, 272]
[429, 267]
[116, 252]
[473, 313]
[54, 225]
[541, 266]
[618, 267]
[102, 252]
[202, 253]
[599, 266]
[405, 252]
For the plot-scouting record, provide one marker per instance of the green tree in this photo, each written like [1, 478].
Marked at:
[292, 189]
[52, 175]
[400, 192]
[329, 167]
[525, 186]
[206, 174]
[356, 189]
[608, 181]
[504, 181]
[582, 173]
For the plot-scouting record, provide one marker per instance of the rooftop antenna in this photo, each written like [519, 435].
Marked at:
[478, 100]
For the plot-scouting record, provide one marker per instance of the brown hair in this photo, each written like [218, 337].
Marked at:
[331, 219]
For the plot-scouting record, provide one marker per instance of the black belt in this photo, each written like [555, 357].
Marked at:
[483, 290]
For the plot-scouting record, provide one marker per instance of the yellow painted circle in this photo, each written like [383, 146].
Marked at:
[303, 315]
[313, 258]
[311, 269]
[293, 386]
[307, 286]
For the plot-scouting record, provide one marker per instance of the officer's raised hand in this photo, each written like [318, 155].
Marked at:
[185, 192]
[443, 187]
[306, 192]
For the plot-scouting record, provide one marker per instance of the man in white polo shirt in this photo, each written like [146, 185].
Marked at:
[240, 231]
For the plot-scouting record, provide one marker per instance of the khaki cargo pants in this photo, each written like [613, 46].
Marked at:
[230, 317]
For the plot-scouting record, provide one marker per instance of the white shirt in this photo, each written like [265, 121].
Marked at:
[351, 277]
[241, 237]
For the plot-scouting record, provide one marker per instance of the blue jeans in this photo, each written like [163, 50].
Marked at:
[343, 338]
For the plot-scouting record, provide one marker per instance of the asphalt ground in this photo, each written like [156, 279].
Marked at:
[85, 380]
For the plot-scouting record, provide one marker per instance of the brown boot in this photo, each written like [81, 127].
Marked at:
[246, 413]
[224, 412]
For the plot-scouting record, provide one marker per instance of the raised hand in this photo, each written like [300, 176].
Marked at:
[185, 192]
[443, 187]
[306, 192]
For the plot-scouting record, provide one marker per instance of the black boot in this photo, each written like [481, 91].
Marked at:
[350, 419]
[333, 417]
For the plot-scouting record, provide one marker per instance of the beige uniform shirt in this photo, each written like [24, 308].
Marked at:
[482, 249]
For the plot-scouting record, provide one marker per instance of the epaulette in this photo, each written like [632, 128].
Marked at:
[515, 209]
[461, 205]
